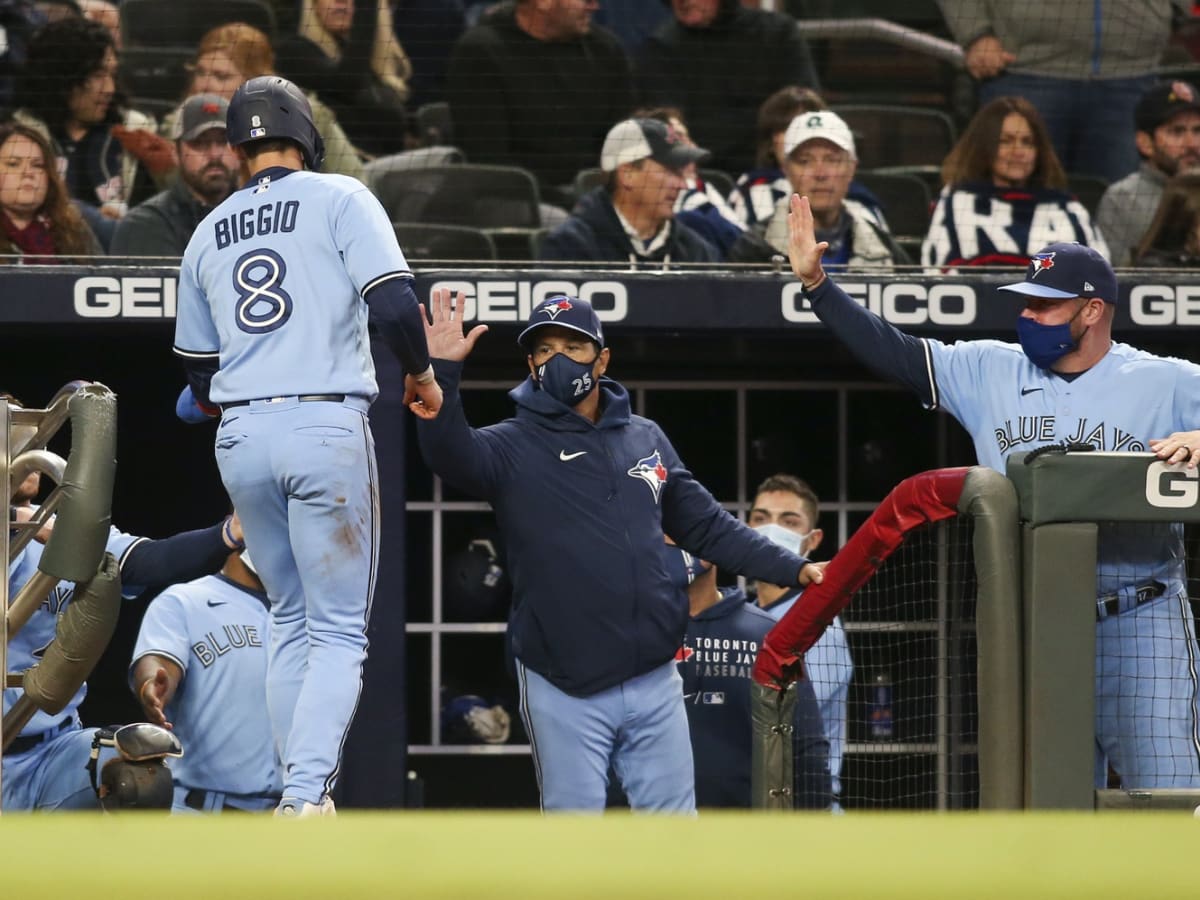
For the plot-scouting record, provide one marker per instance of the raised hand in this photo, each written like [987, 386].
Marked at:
[804, 250]
[445, 335]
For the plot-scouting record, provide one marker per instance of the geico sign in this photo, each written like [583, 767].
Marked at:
[900, 304]
[1164, 304]
[512, 301]
[1172, 486]
[133, 297]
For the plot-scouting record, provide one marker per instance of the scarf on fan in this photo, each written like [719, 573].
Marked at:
[33, 241]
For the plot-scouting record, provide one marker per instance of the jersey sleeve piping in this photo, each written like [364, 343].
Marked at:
[125, 555]
[197, 354]
[164, 654]
[934, 399]
[375, 282]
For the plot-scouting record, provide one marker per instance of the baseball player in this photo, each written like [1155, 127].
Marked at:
[200, 667]
[1067, 380]
[715, 661]
[583, 490]
[787, 510]
[44, 766]
[275, 290]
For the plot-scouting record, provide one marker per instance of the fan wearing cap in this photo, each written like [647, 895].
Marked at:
[1067, 381]
[163, 225]
[819, 160]
[583, 492]
[1167, 134]
[631, 218]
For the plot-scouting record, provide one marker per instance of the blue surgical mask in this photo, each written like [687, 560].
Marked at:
[565, 380]
[1047, 344]
[784, 537]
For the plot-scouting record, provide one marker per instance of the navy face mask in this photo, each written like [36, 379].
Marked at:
[565, 380]
[1047, 344]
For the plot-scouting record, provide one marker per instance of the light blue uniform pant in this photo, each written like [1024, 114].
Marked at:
[302, 478]
[53, 775]
[1146, 696]
[639, 728]
[829, 667]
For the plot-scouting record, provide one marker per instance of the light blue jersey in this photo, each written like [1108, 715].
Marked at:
[216, 632]
[29, 644]
[272, 284]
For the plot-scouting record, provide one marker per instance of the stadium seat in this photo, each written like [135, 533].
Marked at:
[1088, 189]
[422, 241]
[905, 199]
[421, 158]
[435, 125]
[722, 181]
[472, 195]
[517, 244]
[898, 135]
[157, 23]
[587, 179]
[931, 175]
[156, 73]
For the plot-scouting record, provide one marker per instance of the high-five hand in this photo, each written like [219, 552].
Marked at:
[445, 336]
[804, 250]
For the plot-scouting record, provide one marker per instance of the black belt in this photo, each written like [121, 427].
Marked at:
[1110, 604]
[29, 741]
[303, 398]
[197, 798]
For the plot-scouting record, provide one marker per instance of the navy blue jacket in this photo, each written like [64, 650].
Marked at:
[583, 508]
[594, 233]
[716, 661]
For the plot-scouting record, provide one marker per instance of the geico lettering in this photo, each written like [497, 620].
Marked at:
[1171, 486]
[512, 301]
[1162, 304]
[901, 304]
[132, 297]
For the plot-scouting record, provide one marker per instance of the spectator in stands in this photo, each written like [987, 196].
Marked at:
[701, 207]
[632, 21]
[716, 60]
[1167, 136]
[428, 30]
[38, 221]
[819, 159]
[631, 218]
[19, 19]
[1173, 237]
[208, 173]
[107, 15]
[1082, 64]
[758, 191]
[535, 84]
[69, 92]
[1005, 194]
[350, 57]
[236, 52]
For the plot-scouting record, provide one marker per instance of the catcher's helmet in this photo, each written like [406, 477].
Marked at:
[273, 107]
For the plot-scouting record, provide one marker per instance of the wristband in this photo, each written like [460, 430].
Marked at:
[227, 535]
[425, 377]
[816, 284]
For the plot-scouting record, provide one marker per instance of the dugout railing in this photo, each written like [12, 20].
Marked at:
[80, 504]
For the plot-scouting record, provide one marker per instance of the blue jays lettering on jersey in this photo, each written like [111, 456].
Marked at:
[215, 631]
[715, 661]
[277, 270]
[27, 646]
[583, 508]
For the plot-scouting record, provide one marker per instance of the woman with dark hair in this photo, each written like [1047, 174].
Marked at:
[110, 154]
[1005, 194]
[1173, 238]
[38, 222]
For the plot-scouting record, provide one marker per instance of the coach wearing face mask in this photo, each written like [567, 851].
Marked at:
[583, 491]
[1067, 381]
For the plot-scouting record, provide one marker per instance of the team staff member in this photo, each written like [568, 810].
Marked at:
[274, 293]
[45, 767]
[1068, 381]
[200, 668]
[583, 491]
[723, 635]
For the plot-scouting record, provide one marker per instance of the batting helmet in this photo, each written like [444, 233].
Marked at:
[272, 107]
[476, 587]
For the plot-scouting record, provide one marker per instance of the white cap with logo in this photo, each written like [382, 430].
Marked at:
[821, 124]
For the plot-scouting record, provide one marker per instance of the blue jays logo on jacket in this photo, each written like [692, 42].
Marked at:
[652, 471]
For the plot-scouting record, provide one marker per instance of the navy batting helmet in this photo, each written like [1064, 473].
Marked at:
[272, 107]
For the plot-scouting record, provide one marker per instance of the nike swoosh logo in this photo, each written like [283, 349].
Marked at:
[1025, 391]
[216, 602]
[567, 457]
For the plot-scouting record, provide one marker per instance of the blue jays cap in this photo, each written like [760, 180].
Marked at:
[1062, 271]
[566, 312]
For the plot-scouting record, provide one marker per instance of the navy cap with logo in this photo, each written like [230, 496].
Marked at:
[566, 312]
[1163, 102]
[635, 139]
[1062, 271]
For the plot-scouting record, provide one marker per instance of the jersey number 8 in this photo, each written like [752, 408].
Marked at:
[263, 305]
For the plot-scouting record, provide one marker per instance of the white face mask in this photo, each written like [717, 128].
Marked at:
[789, 540]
